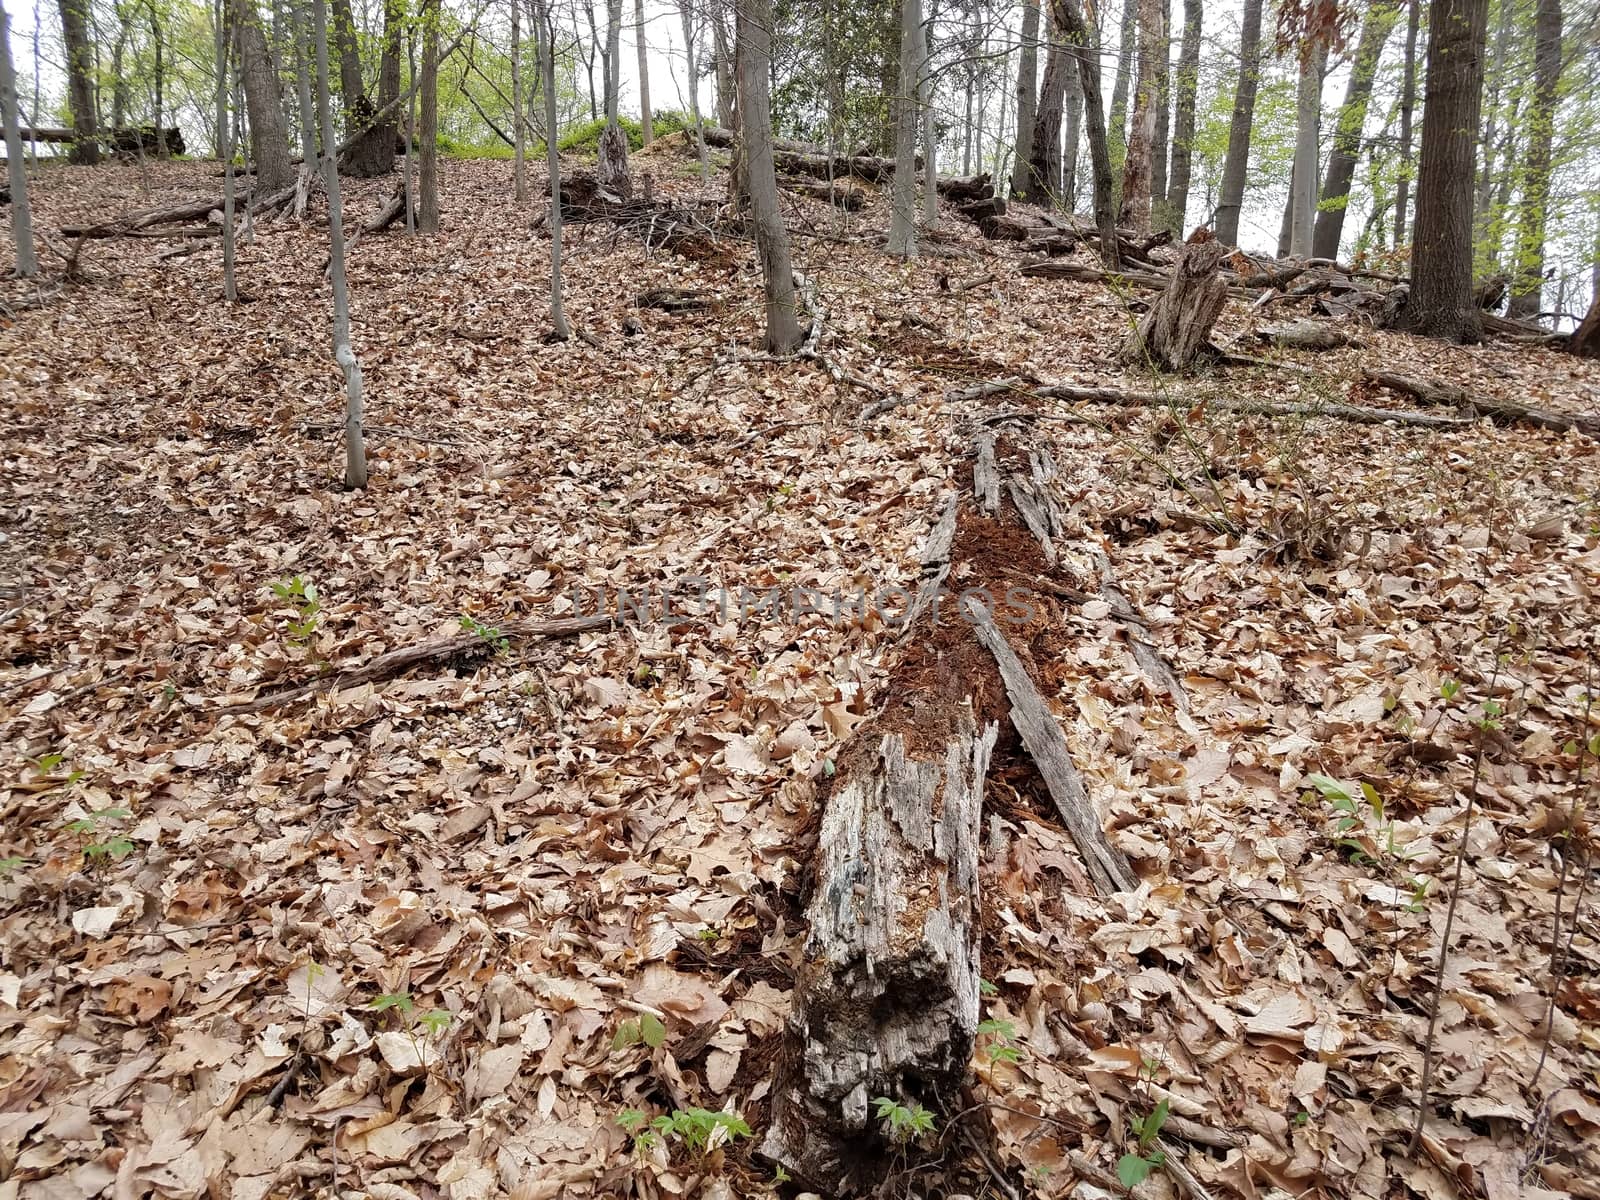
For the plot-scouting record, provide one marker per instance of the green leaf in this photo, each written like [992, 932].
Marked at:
[399, 1000]
[1331, 788]
[627, 1035]
[436, 1020]
[1134, 1169]
[652, 1031]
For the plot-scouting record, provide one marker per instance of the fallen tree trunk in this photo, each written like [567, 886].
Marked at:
[1260, 408]
[1303, 335]
[886, 1000]
[172, 214]
[1171, 335]
[846, 193]
[1448, 395]
[127, 140]
[1080, 273]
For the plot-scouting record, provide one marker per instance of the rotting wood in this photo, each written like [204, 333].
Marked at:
[674, 300]
[171, 214]
[1261, 408]
[1108, 869]
[1448, 395]
[844, 193]
[1178, 326]
[1305, 334]
[395, 662]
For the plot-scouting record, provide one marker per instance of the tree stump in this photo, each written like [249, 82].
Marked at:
[611, 168]
[1171, 335]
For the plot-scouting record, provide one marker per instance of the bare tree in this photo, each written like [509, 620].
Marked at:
[903, 198]
[753, 36]
[646, 134]
[1244, 113]
[1183, 116]
[1127, 40]
[612, 167]
[1136, 181]
[302, 62]
[519, 170]
[16, 165]
[1408, 102]
[930, 147]
[225, 151]
[1441, 301]
[355, 445]
[686, 9]
[1528, 265]
[1069, 20]
[80, 80]
[1308, 127]
[269, 139]
[428, 134]
[1044, 168]
[545, 52]
[1375, 31]
[1027, 99]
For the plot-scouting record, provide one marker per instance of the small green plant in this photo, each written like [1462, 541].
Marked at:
[1134, 1167]
[1363, 810]
[904, 1123]
[301, 595]
[99, 848]
[1002, 1036]
[406, 1018]
[985, 988]
[490, 635]
[9, 864]
[647, 1030]
[695, 1128]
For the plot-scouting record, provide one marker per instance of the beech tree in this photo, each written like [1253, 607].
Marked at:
[1244, 108]
[269, 139]
[27, 265]
[1441, 301]
[753, 37]
[545, 51]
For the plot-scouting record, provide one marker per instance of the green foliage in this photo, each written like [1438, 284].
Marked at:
[648, 1030]
[300, 595]
[9, 864]
[694, 1128]
[488, 633]
[586, 137]
[1134, 1167]
[1002, 1036]
[904, 1123]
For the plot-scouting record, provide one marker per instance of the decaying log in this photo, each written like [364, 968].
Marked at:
[172, 214]
[847, 193]
[965, 188]
[674, 300]
[1259, 408]
[1303, 335]
[1047, 268]
[394, 662]
[661, 224]
[121, 141]
[386, 216]
[1171, 335]
[977, 210]
[1150, 662]
[1448, 395]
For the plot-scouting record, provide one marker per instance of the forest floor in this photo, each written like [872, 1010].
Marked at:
[412, 938]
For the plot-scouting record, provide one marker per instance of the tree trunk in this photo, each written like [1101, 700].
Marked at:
[302, 63]
[754, 38]
[1234, 166]
[1069, 20]
[722, 55]
[685, 9]
[1408, 103]
[1347, 136]
[371, 152]
[646, 133]
[1585, 339]
[1162, 134]
[1072, 123]
[80, 81]
[1027, 100]
[352, 91]
[611, 169]
[225, 151]
[1183, 117]
[120, 82]
[1171, 335]
[1441, 303]
[1116, 131]
[519, 168]
[545, 51]
[1496, 142]
[428, 132]
[269, 138]
[1141, 131]
[1044, 169]
[1308, 124]
[355, 446]
[163, 151]
[612, 60]
[1528, 264]
[16, 164]
[930, 148]
[903, 217]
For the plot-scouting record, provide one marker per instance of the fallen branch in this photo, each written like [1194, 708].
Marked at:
[1448, 395]
[396, 662]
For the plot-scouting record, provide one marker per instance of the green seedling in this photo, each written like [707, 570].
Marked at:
[904, 1123]
[490, 635]
[1002, 1036]
[301, 595]
[647, 1030]
[695, 1128]
[1134, 1167]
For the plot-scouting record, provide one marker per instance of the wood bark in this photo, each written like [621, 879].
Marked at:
[1408, 102]
[1027, 99]
[1585, 339]
[754, 39]
[1171, 335]
[545, 51]
[1069, 19]
[80, 81]
[1136, 169]
[375, 127]
[647, 134]
[1528, 263]
[519, 150]
[1161, 134]
[27, 264]
[903, 198]
[1380, 20]
[1235, 164]
[269, 137]
[1127, 40]
[1308, 125]
[1506, 412]
[1183, 120]
[428, 126]
[1440, 303]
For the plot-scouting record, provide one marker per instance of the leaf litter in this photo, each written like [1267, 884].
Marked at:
[383, 941]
